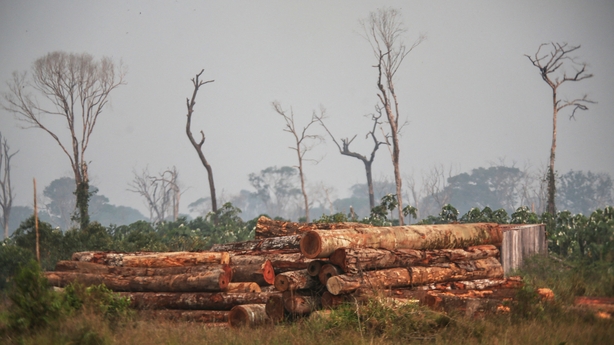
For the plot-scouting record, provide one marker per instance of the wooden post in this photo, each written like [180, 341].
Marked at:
[38, 253]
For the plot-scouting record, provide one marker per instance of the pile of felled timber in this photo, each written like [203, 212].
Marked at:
[296, 269]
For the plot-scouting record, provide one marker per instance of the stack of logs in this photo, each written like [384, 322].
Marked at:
[296, 269]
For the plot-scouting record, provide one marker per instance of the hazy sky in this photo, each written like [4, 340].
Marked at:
[469, 94]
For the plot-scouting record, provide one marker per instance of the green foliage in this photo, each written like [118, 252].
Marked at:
[34, 303]
[11, 258]
[51, 242]
[523, 215]
[333, 218]
[385, 317]
[487, 215]
[98, 299]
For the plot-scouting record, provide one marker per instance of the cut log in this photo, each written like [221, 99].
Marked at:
[216, 279]
[266, 227]
[300, 302]
[204, 316]
[261, 273]
[248, 315]
[327, 271]
[470, 306]
[294, 280]
[353, 260]
[314, 267]
[92, 268]
[402, 277]
[476, 284]
[605, 304]
[320, 243]
[195, 300]
[274, 243]
[467, 270]
[387, 278]
[165, 259]
[282, 262]
[243, 287]
[275, 309]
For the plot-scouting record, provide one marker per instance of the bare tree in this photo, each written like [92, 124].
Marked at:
[549, 65]
[436, 189]
[6, 190]
[384, 29]
[75, 88]
[161, 193]
[303, 143]
[344, 149]
[198, 146]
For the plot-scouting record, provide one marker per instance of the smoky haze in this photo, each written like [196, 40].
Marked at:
[468, 93]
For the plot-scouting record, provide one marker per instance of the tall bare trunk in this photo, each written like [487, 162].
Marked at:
[551, 176]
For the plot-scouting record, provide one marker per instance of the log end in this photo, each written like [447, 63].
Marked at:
[334, 285]
[338, 258]
[313, 269]
[275, 308]
[268, 272]
[282, 283]
[311, 245]
[326, 272]
[224, 258]
[249, 315]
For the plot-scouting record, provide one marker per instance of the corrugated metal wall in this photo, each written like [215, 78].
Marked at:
[521, 242]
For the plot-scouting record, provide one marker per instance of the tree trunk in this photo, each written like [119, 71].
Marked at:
[260, 273]
[266, 227]
[204, 316]
[402, 277]
[248, 315]
[245, 287]
[551, 177]
[327, 271]
[91, 268]
[298, 303]
[476, 284]
[216, 279]
[195, 300]
[353, 260]
[151, 259]
[319, 244]
[288, 243]
[294, 280]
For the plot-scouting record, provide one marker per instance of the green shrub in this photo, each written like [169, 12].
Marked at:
[34, 303]
[11, 258]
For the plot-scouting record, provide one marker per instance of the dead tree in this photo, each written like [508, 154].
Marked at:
[344, 149]
[383, 29]
[161, 193]
[6, 190]
[198, 146]
[301, 145]
[549, 65]
[76, 88]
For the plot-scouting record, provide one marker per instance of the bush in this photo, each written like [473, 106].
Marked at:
[34, 303]
[11, 258]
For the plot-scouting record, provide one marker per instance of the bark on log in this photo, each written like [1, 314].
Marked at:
[294, 280]
[282, 262]
[470, 306]
[288, 243]
[216, 279]
[300, 303]
[92, 268]
[243, 287]
[260, 273]
[195, 300]
[204, 316]
[266, 227]
[248, 315]
[402, 277]
[275, 309]
[320, 243]
[605, 304]
[150, 259]
[353, 260]
[327, 271]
